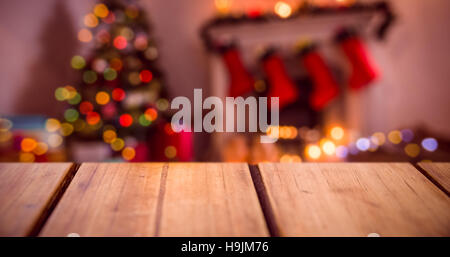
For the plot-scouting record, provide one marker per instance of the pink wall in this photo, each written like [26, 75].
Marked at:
[38, 39]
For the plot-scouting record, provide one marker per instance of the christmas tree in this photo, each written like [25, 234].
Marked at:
[121, 95]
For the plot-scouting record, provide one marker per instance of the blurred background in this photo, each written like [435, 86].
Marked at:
[87, 80]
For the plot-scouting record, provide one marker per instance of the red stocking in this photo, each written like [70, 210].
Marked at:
[363, 69]
[280, 84]
[241, 82]
[325, 87]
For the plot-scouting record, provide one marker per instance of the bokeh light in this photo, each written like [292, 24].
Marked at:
[283, 9]
[328, 147]
[145, 76]
[61, 94]
[128, 153]
[141, 42]
[75, 100]
[151, 114]
[117, 144]
[92, 118]
[144, 121]
[89, 76]
[77, 62]
[363, 144]
[125, 120]
[102, 98]
[430, 144]
[71, 115]
[118, 94]
[101, 11]
[86, 107]
[66, 129]
[407, 135]
[109, 136]
[127, 33]
[378, 138]
[395, 137]
[90, 20]
[412, 150]
[5, 125]
[110, 74]
[116, 64]
[162, 104]
[54, 140]
[99, 64]
[151, 53]
[120, 42]
[337, 133]
[28, 144]
[41, 148]
[26, 157]
[132, 11]
[84, 35]
[170, 152]
[134, 79]
[52, 125]
[313, 151]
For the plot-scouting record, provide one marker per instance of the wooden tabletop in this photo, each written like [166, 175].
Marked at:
[225, 199]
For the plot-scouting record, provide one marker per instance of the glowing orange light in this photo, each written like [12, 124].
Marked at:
[92, 118]
[101, 10]
[120, 42]
[102, 98]
[86, 107]
[128, 153]
[337, 133]
[125, 120]
[223, 6]
[118, 94]
[151, 114]
[26, 157]
[109, 136]
[28, 144]
[313, 151]
[90, 20]
[41, 148]
[282, 9]
[328, 147]
[52, 125]
[145, 76]
[84, 35]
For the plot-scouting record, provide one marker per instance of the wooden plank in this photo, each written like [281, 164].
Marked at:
[26, 193]
[157, 199]
[345, 199]
[439, 172]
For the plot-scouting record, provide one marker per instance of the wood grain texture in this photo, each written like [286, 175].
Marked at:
[440, 172]
[157, 199]
[345, 199]
[26, 191]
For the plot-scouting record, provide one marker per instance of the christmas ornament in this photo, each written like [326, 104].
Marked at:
[363, 69]
[241, 82]
[325, 87]
[281, 84]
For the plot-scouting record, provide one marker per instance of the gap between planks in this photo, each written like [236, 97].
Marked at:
[53, 201]
[430, 178]
[264, 202]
